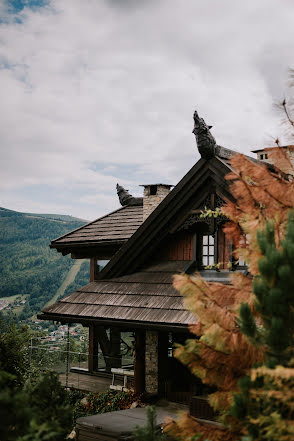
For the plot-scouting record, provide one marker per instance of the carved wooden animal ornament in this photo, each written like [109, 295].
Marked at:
[205, 141]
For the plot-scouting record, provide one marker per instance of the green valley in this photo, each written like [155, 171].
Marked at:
[29, 268]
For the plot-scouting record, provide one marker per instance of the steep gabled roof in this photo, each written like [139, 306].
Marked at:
[114, 228]
[205, 176]
[132, 290]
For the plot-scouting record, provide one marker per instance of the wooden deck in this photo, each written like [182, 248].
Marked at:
[89, 383]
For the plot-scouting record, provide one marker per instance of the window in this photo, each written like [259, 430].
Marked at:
[263, 156]
[208, 249]
[243, 243]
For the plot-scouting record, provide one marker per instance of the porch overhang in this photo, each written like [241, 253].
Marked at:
[146, 299]
[126, 325]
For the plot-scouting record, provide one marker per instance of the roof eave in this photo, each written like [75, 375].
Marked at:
[88, 244]
[184, 327]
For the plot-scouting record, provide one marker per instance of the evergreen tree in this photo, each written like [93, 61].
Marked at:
[14, 354]
[38, 411]
[274, 299]
[51, 412]
[33, 406]
[150, 432]
[244, 344]
[266, 401]
[15, 413]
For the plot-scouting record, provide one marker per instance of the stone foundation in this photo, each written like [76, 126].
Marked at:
[151, 362]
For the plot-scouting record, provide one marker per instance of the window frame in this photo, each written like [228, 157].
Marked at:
[199, 252]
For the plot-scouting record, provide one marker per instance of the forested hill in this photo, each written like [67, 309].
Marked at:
[27, 264]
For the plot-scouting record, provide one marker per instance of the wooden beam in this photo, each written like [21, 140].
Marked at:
[139, 361]
[92, 269]
[124, 324]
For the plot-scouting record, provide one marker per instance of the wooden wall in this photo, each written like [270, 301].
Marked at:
[223, 251]
[178, 247]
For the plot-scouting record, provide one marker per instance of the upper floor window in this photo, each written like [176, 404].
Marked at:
[263, 156]
[208, 250]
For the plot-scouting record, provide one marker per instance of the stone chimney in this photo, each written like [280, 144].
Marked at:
[281, 157]
[153, 195]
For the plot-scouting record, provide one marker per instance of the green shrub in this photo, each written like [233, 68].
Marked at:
[150, 432]
[93, 403]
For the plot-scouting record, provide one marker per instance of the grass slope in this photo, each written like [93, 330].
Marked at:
[69, 279]
[27, 264]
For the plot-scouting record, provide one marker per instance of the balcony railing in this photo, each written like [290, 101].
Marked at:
[72, 366]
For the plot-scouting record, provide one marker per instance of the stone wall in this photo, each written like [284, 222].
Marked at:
[151, 362]
[151, 201]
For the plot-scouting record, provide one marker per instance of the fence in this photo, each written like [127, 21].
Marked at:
[72, 366]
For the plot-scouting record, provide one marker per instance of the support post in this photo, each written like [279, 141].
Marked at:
[139, 361]
[151, 357]
[92, 269]
[67, 358]
[93, 349]
[163, 366]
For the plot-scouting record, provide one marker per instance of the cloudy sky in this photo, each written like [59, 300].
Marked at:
[95, 92]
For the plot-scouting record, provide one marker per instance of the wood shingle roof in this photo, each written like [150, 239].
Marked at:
[145, 297]
[116, 227]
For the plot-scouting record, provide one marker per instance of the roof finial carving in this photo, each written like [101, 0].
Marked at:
[125, 198]
[205, 141]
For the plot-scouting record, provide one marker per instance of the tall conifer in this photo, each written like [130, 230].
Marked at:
[244, 344]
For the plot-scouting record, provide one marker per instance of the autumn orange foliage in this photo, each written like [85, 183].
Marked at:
[221, 354]
[261, 194]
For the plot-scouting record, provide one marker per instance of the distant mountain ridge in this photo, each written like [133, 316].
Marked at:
[27, 264]
[56, 217]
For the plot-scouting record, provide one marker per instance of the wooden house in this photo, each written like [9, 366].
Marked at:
[143, 244]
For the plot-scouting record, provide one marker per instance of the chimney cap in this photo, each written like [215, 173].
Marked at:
[149, 185]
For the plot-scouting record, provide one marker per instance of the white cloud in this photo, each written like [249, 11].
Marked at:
[87, 82]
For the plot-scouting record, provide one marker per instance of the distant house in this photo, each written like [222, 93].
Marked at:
[134, 252]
